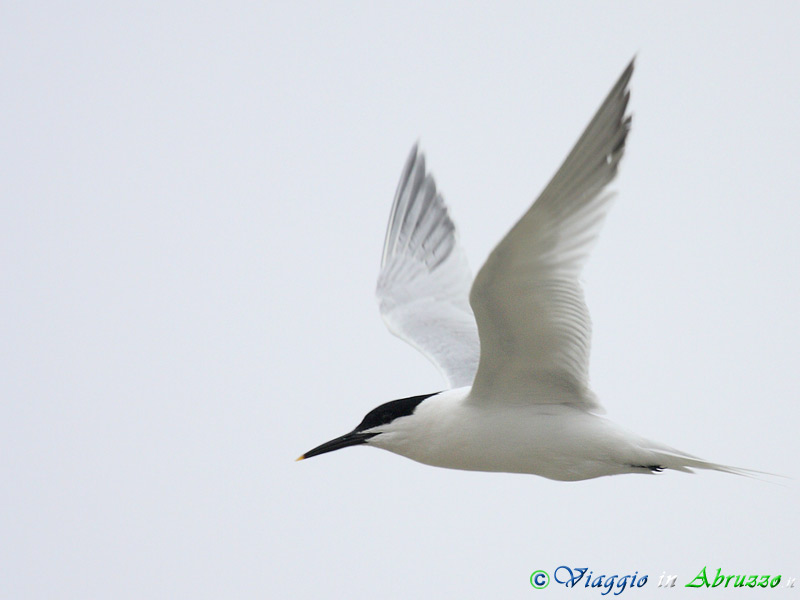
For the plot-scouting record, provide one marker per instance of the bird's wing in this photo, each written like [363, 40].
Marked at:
[533, 322]
[423, 286]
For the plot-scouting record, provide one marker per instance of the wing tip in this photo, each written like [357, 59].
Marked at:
[627, 74]
[419, 223]
[415, 161]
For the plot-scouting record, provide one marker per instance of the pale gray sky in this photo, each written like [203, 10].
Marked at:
[194, 201]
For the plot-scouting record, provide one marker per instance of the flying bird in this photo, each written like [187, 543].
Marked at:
[513, 344]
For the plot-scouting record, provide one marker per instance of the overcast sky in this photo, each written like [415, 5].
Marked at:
[194, 198]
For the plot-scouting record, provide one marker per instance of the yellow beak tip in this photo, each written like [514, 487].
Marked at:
[301, 457]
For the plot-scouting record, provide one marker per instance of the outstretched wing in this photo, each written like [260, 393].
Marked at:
[423, 286]
[533, 322]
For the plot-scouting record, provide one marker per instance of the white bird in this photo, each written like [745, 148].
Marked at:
[514, 344]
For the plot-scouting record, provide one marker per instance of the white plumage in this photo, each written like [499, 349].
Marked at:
[423, 286]
[518, 367]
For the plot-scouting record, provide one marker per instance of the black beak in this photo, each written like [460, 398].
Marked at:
[353, 438]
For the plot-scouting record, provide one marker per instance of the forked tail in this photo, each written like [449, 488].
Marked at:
[665, 457]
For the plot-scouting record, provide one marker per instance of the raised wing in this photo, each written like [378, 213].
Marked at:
[423, 286]
[534, 326]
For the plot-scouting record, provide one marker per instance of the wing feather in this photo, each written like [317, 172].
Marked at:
[423, 286]
[535, 331]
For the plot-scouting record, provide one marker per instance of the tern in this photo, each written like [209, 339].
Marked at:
[513, 344]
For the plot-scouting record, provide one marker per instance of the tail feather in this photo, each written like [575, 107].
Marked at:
[670, 458]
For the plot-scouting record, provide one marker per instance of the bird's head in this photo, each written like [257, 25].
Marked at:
[378, 421]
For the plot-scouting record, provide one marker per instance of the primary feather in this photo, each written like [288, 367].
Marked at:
[423, 286]
[534, 325]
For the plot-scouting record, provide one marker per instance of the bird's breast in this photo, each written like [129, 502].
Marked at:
[554, 441]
